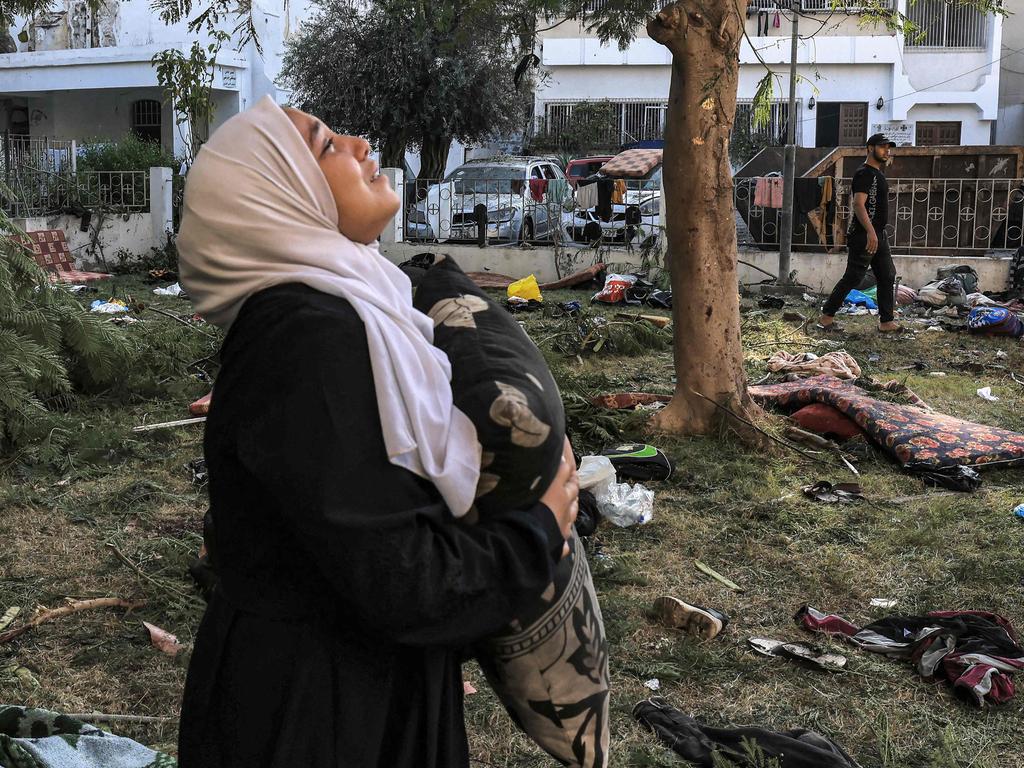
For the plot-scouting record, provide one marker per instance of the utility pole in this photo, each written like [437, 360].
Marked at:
[789, 162]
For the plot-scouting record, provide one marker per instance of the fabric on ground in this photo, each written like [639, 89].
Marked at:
[915, 438]
[583, 276]
[624, 400]
[976, 652]
[905, 295]
[38, 738]
[700, 743]
[994, 321]
[825, 420]
[839, 364]
[490, 279]
[860, 299]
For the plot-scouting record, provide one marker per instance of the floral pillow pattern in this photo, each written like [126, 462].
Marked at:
[911, 435]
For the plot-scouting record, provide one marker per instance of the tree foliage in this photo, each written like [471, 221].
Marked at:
[404, 74]
[48, 344]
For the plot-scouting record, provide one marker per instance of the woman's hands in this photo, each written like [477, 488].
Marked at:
[562, 496]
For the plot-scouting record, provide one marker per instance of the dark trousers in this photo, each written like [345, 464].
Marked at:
[856, 267]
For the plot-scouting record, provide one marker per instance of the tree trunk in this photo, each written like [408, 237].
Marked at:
[392, 154]
[704, 38]
[434, 156]
[433, 159]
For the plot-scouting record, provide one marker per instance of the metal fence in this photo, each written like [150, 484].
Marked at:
[41, 193]
[510, 211]
[944, 25]
[938, 216]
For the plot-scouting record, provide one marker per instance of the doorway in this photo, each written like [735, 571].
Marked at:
[841, 124]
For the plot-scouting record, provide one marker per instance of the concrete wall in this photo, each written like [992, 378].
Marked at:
[820, 271]
[132, 233]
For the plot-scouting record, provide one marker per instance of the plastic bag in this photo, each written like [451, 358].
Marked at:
[627, 505]
[527, 288]
[621, 503]
[614, 291]
[595, 474]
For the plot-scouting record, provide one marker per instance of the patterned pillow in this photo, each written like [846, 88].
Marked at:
[501, 382]
[550, 666]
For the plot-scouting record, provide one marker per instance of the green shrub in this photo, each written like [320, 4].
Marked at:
[128, 153]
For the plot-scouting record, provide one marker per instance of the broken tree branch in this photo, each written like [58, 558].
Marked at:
[181, 320]
[100, 717]
[770, 436]
[74, 606]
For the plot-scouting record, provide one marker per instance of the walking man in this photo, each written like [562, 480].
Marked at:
[866, 239]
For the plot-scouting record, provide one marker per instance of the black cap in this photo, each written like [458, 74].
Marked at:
[880, 140]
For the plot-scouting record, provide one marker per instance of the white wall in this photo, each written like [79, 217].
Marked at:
[973, 130]
[134, 235]
[1010, 125]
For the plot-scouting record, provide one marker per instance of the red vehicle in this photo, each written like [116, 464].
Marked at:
[582, 167]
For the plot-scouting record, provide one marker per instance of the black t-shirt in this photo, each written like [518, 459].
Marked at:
[872, 182]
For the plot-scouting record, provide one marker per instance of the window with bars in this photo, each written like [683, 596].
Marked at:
[942, 25]
[146, 117]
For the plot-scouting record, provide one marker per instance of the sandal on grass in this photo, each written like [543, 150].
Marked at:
[801, 653]
[830, 328]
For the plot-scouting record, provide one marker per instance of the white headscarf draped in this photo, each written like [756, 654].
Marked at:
[258, 212]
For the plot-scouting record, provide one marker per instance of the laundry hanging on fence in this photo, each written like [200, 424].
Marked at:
[586, 193]
[537, 189]
[976, 652]
[768, 192]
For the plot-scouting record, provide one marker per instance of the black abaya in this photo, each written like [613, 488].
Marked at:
[347, 589]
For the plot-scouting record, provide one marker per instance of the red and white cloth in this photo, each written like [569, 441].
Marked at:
[977, 652]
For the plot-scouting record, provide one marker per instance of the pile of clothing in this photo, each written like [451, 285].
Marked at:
[976, 652]
[994, 321]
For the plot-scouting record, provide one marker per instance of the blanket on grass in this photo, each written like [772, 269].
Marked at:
[38, 738]
[917, 439]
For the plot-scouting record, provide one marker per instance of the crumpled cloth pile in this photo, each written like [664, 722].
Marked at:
[839, 364]
[976, 652]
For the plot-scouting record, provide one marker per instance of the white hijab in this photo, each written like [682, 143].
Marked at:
[258, 212]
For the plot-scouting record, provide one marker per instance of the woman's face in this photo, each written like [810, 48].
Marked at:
[365, 200]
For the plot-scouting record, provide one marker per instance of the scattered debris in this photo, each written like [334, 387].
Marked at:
[162, 640]
[9, 616]
[198, 469]
[958, 478]
[717, 576]
[655, 320]
[1018, 511]
[985, 393]
[882, 602]
[467, 688]
[73, 606]
[802, 653]
[829, 493]
[654, 684]
[174, 289]
[168, 424]
[109, 307]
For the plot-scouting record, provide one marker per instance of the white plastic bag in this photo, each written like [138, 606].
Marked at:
[627, 505]
[622, 503]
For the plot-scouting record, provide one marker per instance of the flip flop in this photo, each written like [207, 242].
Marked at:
[830, 328]
[695, 620]
[799, 652]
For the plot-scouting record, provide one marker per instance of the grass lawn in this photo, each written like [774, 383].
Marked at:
[121, 516]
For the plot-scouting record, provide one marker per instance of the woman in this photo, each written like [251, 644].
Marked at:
[338, 468]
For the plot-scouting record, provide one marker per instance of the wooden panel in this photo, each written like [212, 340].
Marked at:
[853, 124]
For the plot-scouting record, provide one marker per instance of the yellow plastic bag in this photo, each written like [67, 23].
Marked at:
[526, 288]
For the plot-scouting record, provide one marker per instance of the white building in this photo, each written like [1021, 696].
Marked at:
[79, 74]
[1010, 123]
[854, 80]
